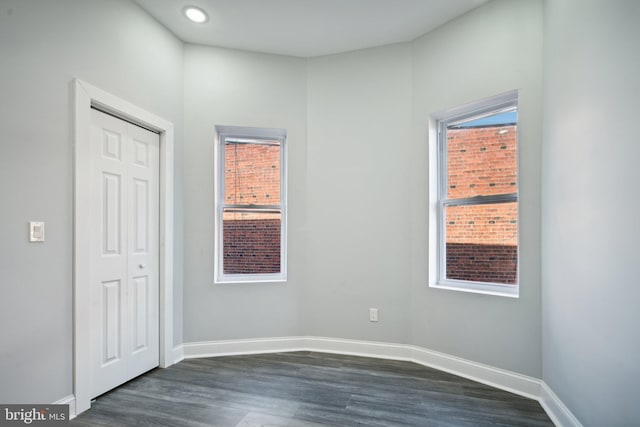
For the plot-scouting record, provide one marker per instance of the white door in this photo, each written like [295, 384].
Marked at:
[124, 251]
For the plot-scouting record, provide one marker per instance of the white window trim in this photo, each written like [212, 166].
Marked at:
[437, 191]
[222, 133]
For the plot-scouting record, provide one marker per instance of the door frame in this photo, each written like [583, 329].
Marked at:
[86, 96]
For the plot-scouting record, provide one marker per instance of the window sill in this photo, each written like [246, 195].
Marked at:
[509, 291]
[249, 279]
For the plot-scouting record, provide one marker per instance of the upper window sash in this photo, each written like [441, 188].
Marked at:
[458, 118]
[270, 139]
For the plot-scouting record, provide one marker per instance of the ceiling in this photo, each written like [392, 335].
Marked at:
[306, 28]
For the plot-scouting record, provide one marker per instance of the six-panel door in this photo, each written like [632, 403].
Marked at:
[124, 251]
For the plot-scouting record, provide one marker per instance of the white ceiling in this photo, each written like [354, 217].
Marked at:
[306, 27]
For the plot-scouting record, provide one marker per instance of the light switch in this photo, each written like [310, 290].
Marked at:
[36, 231]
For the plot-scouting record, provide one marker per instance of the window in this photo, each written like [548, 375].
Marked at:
[475, 199]
[250, 205]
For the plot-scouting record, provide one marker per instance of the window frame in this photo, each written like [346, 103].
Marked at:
[249, 133]
[439, 201]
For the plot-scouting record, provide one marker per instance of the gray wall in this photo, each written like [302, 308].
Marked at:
[43, 45]
[359, 128]
[591, 316]
[235, 88]
[491, 50]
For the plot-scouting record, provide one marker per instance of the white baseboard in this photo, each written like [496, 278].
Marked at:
[557, 411]
[71, 401]
[178, 354]
[495, 377]
[510, 381]
[236, 347]
[359, 348]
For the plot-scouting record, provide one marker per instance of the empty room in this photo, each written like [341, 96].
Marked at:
[319, 212]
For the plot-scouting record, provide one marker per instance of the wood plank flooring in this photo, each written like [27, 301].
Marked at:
[307, 389]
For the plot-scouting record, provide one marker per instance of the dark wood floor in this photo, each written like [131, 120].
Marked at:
[307, 389]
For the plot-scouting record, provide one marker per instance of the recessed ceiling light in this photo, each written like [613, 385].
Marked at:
[195, 14]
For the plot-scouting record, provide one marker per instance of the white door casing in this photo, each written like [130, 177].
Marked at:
[85, 96]
[124, 251]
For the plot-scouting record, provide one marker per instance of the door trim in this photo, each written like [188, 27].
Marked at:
[84, 97]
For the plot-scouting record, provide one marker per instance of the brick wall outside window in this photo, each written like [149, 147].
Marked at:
[482, 240]
[251, 241]
[251, 246]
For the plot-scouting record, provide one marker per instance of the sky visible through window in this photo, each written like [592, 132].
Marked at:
[506, 118]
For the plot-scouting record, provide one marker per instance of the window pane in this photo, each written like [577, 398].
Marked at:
[481, 157]
[251, 242]
[252, 174]
[482, 242]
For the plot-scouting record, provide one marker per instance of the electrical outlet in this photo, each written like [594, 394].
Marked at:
[373, 314]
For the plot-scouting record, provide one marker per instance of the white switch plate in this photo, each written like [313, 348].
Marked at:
[36, 231]
[373, 314]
